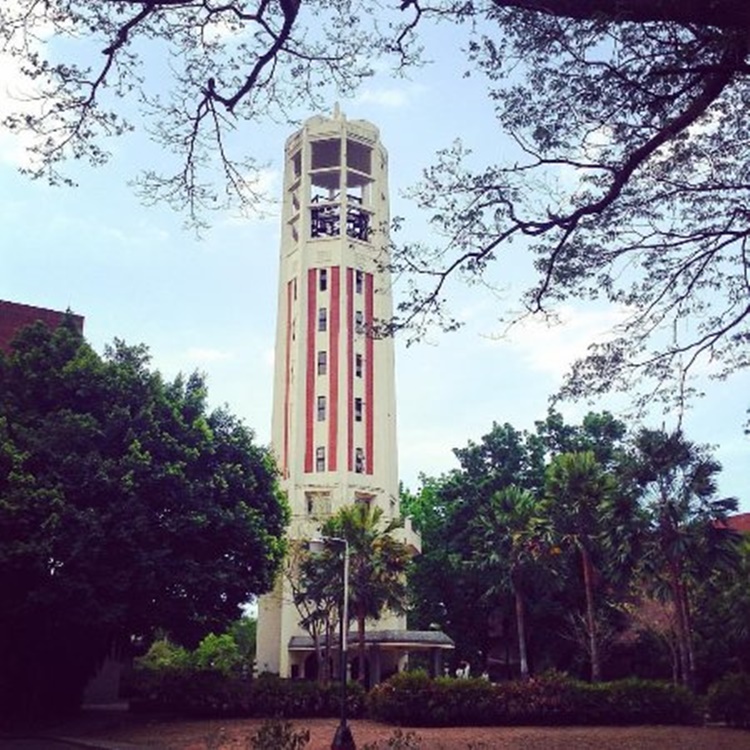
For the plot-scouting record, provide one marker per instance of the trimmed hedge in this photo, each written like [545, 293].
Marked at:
[416, 700]
[729, 700]
[208, 693]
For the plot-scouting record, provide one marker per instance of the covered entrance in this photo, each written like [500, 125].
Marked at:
[387, 652]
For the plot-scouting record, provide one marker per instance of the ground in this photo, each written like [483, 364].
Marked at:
[120, 730]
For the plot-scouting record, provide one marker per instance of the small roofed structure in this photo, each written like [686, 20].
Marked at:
[386, 650]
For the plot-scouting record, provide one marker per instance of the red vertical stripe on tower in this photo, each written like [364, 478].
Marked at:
[350, 369]
[369, 377]
[333, 348]
[287, 376]
[312, 321]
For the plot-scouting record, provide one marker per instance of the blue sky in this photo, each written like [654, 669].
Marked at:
[210, 304]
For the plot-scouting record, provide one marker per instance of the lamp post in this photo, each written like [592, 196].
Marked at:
[343, 739]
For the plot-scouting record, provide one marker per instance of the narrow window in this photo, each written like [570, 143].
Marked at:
[358, 276]
[322, 319]
[358, 365]
[320, 458]
[322, 362]
[359, 461]
[323, 279]
[357, 409]
[359, 321]
[321, 408]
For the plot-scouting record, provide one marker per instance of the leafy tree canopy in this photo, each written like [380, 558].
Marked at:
[448, 587]
[126, 506]
[628, 182]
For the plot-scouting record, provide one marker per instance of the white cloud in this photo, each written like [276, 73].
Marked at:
[385, 97]
[552, 348]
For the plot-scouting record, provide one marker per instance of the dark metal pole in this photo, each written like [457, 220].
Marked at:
[343, 739]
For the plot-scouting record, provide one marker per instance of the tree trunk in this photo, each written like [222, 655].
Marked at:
[325, 669]
[588, 583]
[521, 626]
[361, 617]
[319, 655]
[689, 636]
[683, 635]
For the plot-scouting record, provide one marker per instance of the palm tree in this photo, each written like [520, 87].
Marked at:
[511, 534]
[578, 489]
[678, 482]
[377, 565]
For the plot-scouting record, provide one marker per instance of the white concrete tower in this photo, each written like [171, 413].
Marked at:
[334, 411]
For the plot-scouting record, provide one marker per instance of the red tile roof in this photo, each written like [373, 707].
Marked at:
[739, 522]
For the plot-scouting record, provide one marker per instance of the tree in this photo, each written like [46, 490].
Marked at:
[578, 490]
[445, 589]
[512, 537]
[316, 591]
[722, 618]
[626, 183]
[678, 482]
[125, 507]
[377, 565]
[448, 588]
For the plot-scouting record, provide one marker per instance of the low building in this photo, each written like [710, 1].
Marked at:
[15, 316]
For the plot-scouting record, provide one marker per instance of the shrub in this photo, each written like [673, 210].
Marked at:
[279, 735]
[210, 693]
[729, 700]
[163, 654]
[397, 741]
[187, 691]
[219, 653]
[272, 696]
[549, 699]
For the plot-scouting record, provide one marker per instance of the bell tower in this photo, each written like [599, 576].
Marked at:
[334, 408]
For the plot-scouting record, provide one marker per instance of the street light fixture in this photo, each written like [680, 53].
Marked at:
[343, 739]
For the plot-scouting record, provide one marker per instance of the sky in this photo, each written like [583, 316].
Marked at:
[209, 304]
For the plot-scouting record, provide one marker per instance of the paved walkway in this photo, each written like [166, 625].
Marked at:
[61, 743]
[50, 741]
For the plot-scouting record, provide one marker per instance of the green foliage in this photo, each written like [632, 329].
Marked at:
[721, 617]
[686, 543]
[461, 581]
[279, 735]
[206, 693]
[125, 507]
[244, 632]
[164, 655]
[219, 653]
[549, 699]
[729, 700]
[514, 546]
[580, 491]
[377, 564]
